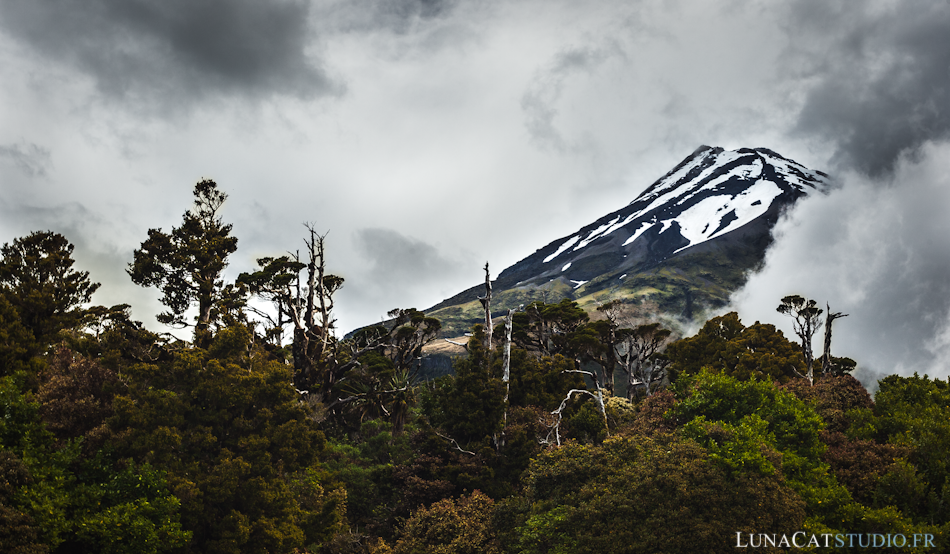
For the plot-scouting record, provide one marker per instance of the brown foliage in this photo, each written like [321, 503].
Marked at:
[833, 396]
[451, 527]
[436, 473]
[651, 418]
[18, 532]
[859, 464]
[75, 398]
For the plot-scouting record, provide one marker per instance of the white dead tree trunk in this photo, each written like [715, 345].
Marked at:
[506, 372]
[506, 360]
[486, 303]
[826, 354]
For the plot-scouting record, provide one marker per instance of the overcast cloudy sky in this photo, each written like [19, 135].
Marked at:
[430, 136]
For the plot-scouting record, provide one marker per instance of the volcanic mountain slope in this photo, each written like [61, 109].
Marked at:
[686, 242]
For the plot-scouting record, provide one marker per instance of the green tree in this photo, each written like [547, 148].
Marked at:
[792, 428]
[630, 340]
[651, 495]
[914, 413]
[241, 449]
[376, 389]
[542, 381]
[19, 533]
[596, 342]
[186, 264]
[724, 344]
[78, 505]
[38, 280]
[637, 349]
[117, 341]
[548, 329]
[365, 462]
[411, 330]
[16, 341]
[450, 527]
[469, 406]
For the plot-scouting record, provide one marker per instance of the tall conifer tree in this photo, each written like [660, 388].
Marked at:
[186, 264]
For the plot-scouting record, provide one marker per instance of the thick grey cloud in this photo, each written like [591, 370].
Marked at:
[873, 83]
[399, 261]
[540, 116]
[176, 51]
[877, 251]
[399, 16]
[877, 77]
[31, 159]
[540, 100]
[400, 267]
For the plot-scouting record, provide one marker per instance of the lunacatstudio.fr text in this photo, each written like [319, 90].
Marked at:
[837, 540]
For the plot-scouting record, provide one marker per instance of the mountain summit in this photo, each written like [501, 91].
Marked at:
[686, 242]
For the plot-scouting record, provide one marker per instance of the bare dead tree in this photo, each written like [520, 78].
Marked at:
[555, 428]
[486, 304]
[324, 286]
[830, 316]
[636, 350]
[506, 360]
[506, 373]
[306, 301]
[558, 413]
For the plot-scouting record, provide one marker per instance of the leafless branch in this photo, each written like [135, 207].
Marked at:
[453, 441]
[556, 428]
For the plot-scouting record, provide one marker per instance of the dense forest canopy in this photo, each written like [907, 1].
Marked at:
[557, 431]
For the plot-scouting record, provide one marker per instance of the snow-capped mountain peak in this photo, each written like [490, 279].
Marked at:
[709, 194]
[689, 238]
[712, 193]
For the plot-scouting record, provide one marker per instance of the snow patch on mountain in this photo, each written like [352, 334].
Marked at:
[743, 172]
[707, 218]
[596, 233]
[636, 234]
[701, 187]
[563, 248]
